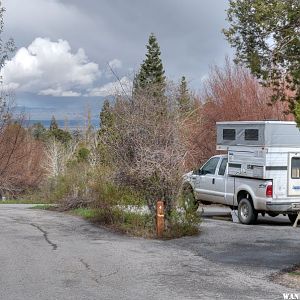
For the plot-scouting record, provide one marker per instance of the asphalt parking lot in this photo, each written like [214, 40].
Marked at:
[272, 243]
[49, 255]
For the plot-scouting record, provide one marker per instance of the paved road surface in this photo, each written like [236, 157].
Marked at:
[48, 255]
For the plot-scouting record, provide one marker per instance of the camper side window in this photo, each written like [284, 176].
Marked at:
[251, 134]
[229, 134]
[295, 167]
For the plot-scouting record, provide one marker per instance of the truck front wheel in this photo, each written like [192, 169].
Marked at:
[188, 200]
[246, 212]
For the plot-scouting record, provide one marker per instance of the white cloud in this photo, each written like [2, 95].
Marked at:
[124, 86]
[58, 92]
[50, 68]
[112, 67]
[115, 64]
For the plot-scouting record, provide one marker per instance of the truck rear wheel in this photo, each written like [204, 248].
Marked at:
[292, 218]
[246, 212]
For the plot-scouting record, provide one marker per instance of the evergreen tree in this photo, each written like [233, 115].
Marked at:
[184, 99]
[38, 131]
[107, 131]
[151, 72]
[61, 135]
[106, 116]
[53, 124]
[265, 35]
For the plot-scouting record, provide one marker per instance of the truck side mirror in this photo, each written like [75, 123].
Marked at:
[197, 172]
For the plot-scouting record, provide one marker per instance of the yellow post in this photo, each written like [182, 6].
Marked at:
[160, 218]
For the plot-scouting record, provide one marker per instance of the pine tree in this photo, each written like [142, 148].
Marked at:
[151, 74]
[106, 116]
[38, 131]
[53, 124]
[54, 132]
[265, 35]
[107, 132]
[184, 99]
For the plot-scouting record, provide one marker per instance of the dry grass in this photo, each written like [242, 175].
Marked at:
[289, 277]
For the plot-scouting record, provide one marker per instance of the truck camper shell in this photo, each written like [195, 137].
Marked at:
[263, 150]
[257, 134]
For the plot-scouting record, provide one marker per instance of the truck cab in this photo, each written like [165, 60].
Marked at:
[212, 184]
[209, 181]
[260, 173]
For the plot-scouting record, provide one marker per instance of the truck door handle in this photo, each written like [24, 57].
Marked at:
[213, 181]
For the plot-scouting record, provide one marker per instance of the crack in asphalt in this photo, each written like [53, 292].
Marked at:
[95, 275]
[88, 268]
[45, 234]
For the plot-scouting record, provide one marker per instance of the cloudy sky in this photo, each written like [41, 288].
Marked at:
[67, 48]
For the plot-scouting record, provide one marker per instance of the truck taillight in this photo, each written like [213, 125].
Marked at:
[269, 190]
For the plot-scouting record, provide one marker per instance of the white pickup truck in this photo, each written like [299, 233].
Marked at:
[212, 184]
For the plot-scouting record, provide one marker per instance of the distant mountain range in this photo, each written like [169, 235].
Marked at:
[65, 124]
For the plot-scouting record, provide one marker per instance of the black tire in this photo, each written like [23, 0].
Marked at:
[292, 218]
[246, 212]
[188, 198]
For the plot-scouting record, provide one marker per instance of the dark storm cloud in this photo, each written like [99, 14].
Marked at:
[189, 32]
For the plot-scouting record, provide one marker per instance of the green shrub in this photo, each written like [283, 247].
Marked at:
[83, 154]
[132, 223]
[92, 192]
[184, 219]
[182, 223]
[87, 213]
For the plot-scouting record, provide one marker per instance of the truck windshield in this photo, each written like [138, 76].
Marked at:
[210, 166]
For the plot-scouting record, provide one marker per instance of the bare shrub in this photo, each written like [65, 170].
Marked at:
[230, 94]
[94, 157]
[146, 147]
[20, 154]
[20, 158]
[57, 155]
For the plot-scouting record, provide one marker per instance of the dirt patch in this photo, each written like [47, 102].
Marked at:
[289, 277]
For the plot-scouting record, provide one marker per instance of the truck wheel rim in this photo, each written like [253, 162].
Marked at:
[244, 211]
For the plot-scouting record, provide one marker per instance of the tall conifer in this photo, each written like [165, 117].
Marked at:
[53, 124]
[151, 73]
[184, 99]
